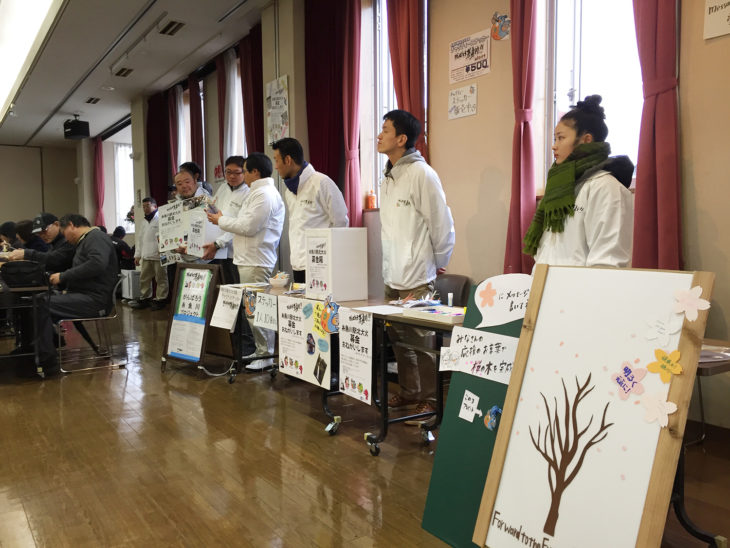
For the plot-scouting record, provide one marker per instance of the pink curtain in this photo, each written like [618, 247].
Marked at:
[196, 125]
[172, 127]
[522, 203]
[252, 88]
[220, 71]
[657, 237]
[99, 180]
[406, 37]
[351, 111]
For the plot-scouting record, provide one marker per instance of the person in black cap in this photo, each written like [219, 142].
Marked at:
[61, 253]
[30, 240]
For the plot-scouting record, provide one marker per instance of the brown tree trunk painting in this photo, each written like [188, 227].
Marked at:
[559, 445]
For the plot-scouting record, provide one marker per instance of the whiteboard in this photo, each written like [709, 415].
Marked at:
[589, 325]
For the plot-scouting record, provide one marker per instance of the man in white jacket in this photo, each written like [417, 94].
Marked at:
[228, 200]
[417, 232]
[312, 198]
[256, 234]
[147, 254]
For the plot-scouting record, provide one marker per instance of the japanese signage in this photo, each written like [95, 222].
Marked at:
[172, 230]
[480, 353]
[265, 313]
[188, 322]
[469, 57]
[277, 109]
[319, 284]
[226, 307]
[356, 354]
[463, 101]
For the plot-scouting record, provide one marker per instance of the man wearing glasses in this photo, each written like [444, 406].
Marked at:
[228, 200]
[60, 254]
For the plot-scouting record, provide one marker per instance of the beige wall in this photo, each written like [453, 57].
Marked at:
[36, 179]
[472, 155]
[704, 144]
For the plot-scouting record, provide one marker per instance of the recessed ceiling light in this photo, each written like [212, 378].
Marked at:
[107, 88]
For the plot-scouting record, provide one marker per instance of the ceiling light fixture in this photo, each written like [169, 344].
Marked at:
[23, 28]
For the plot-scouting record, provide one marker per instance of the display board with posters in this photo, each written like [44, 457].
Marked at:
[356, 354]
[305, 339]
[192, 307]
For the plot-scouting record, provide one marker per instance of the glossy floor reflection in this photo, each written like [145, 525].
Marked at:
[138, 457]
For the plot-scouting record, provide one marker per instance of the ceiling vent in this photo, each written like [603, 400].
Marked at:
[123, 72]
[93, 100]
[171, 28]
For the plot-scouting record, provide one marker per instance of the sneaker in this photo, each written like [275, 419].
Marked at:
[158, 305]
[423, 407]
[260, 365]
[396, 401]
[144, 303]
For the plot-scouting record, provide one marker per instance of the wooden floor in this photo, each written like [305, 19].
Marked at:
[137, 457]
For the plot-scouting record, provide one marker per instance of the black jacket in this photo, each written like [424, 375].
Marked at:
[59, 258]
[94, 269]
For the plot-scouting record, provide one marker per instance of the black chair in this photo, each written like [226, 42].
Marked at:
[103, 350]
[457, 284]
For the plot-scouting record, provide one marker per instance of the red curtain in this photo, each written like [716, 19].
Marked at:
[522, 203]
[657, 237]
[252, 87]
[323, 58]
[172, 127]
[99, 180]
[351, 111]
[406, 37]
[156, 136]
[197, 152]
[220, 71]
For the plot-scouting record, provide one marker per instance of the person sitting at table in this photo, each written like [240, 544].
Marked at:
[9, 235]
[24, 229]
[89, 283]
[60, 253]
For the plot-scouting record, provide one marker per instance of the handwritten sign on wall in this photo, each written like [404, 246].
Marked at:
[463, 102]
[469, 57]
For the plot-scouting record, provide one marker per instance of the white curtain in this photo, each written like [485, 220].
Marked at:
[183, 134]
[234, 142]
[124, 184]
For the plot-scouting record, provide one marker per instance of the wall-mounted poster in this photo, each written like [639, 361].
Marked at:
[595, 410]
[469, 57]
[277, 109]
[463, 101]
[304, 343]
[717, 18]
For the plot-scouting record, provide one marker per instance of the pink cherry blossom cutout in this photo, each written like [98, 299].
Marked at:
[690, 302]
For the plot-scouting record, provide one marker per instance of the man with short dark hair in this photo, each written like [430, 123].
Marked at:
[313, 200]
[417, 232]
[147, 253]
[257, 231]
[197, 173]
[89, 283]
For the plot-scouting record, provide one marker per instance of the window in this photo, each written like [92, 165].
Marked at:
[385, 90]
[592, 50]
[124, 179]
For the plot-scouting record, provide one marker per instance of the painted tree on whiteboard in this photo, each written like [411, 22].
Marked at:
[564, 444]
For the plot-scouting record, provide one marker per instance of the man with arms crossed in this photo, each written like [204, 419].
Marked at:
[418, 238]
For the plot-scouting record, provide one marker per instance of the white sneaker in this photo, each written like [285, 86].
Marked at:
[258, 365]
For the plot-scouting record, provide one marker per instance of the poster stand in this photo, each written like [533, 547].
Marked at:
[193, 299]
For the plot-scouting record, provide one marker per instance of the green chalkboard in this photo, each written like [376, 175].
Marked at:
[464, 449]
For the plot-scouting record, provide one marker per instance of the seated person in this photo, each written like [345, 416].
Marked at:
[30, 241]
[60, 253]
[8, 235]
[89, 283]
[125, 255]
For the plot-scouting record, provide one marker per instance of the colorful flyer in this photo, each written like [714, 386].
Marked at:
[356, 354]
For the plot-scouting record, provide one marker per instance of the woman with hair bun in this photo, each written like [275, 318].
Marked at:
[586, 217]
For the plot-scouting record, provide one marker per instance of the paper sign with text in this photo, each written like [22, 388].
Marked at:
[226, 307]
[481, 354]
[463, 101]
[469, 57]
[172, 231]
[356, 354]
[266, 313]
[502, 299]
[196, 233]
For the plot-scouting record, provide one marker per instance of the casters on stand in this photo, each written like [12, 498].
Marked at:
[426, 434]
[163, 364]
[332, 427]
[371, 440]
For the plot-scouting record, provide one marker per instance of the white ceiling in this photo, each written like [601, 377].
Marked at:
[91, 36]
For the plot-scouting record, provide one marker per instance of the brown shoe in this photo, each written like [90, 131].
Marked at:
[396, 401]
[423, 407]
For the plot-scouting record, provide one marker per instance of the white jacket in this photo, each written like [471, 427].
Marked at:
[417, 228]
[147, 246]
[600, 231]
[228, 201]
[257, 228]
[318, 203]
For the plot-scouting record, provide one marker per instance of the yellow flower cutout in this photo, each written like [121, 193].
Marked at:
[666, 365]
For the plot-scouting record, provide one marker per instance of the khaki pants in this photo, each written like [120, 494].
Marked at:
[416, 368]
[264, 338]
[152, 269]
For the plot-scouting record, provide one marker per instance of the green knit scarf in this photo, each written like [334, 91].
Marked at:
[559, 199]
